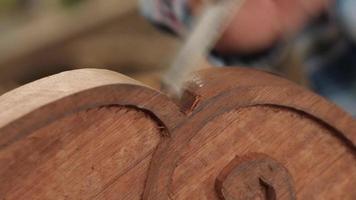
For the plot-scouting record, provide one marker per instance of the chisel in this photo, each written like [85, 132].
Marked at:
[215, 18]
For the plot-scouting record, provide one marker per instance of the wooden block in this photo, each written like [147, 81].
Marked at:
[237, 134]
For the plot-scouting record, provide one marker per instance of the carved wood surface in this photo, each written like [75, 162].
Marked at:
[237, 134]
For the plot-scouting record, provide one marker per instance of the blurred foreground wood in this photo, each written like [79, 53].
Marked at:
[237, 134]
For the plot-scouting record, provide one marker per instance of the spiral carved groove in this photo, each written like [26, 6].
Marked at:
[255, 177]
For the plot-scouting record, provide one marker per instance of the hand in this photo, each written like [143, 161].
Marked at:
[260, 23]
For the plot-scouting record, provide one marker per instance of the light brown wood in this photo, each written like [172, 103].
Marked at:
[237, 134]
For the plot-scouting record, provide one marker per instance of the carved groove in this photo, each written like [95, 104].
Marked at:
[255, 176]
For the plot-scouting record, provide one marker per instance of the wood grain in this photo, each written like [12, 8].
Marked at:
[81, 156]
[32, 106]
[237, 134]
[221, 91]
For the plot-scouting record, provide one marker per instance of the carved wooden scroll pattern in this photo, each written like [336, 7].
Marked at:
[237, 134]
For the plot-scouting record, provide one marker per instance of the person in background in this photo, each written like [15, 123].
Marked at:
[320, 34]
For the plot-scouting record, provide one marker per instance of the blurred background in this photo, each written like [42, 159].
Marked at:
[39, 38]
[43, 37]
